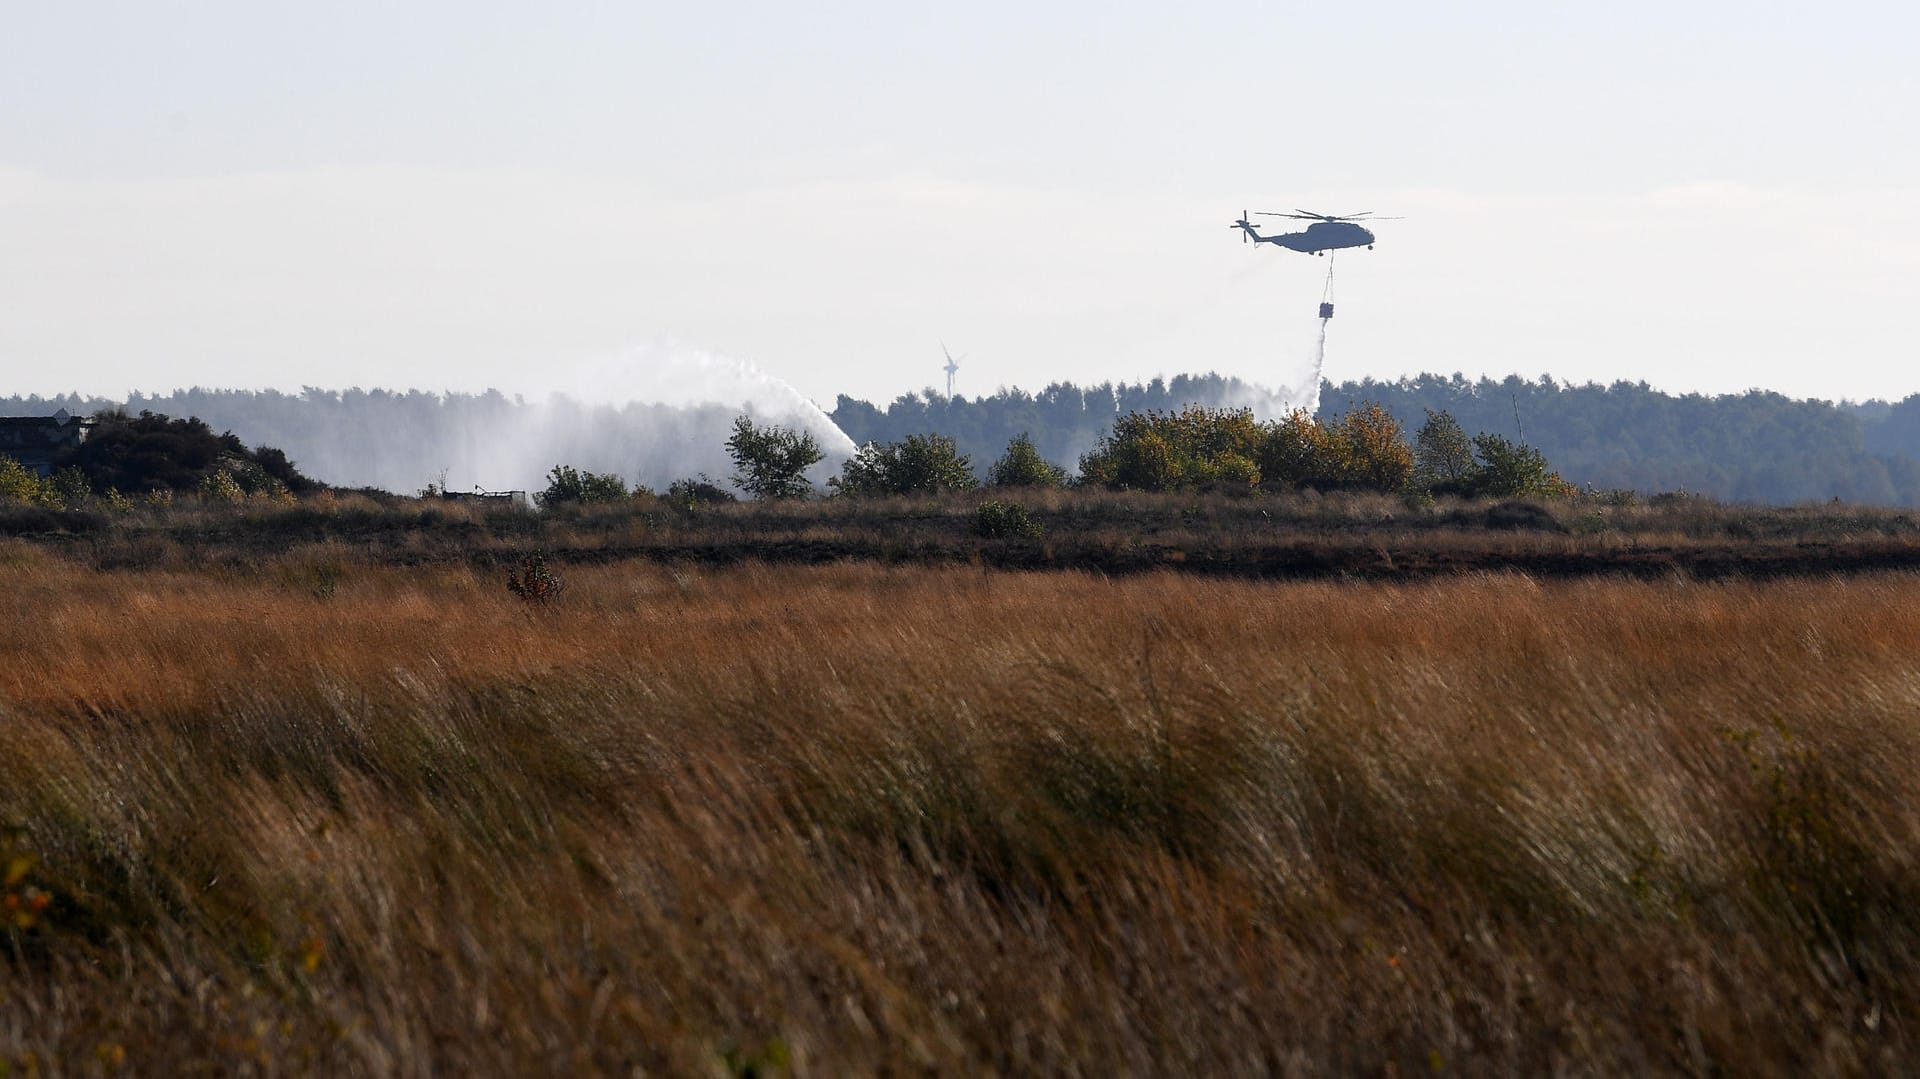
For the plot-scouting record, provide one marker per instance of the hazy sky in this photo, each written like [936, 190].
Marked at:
[1705, 196]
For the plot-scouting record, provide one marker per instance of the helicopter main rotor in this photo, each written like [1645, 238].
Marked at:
[1308, 215]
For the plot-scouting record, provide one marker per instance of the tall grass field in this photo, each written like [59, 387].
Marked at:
[317, 814]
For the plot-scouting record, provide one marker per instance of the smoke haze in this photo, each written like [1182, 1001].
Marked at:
[651, 416]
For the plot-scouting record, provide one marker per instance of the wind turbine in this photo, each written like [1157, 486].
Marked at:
[950, 368]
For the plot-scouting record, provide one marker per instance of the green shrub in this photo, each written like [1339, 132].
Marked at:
[1202, 447]
[71, 485]
[1022, 466]
[220, 486]
[1510, 470]
[1005, 520]
[151, 452]
[916, 465]
[567, 484]
[690, 494]
[1373, 456]
[1296, 451]
[1443, 454]
[772, 461]
[1166, 451]
[19, 485]
[1232, 470]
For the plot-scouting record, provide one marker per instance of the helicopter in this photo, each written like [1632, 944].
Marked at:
[1329, 232]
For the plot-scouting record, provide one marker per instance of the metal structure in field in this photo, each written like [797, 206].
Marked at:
[951, 367]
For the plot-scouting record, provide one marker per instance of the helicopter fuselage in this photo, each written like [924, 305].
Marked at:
[1320, 236]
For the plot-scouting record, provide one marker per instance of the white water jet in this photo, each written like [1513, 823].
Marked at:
[666, 374]
[1308, 396]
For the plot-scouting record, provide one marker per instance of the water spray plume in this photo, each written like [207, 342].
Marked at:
[667, 374]
[663, 412]
[1309, 395]
[650, 415]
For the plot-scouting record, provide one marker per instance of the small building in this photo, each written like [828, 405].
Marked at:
[516, 499]
[35, 441]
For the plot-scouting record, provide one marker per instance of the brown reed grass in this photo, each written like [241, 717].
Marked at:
[853, 819]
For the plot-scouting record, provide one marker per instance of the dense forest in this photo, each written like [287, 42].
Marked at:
[1756, 446]
[1750, 447]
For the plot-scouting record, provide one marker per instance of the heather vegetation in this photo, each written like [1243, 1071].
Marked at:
[1213, 491]
[317, 813]
[1222, 531]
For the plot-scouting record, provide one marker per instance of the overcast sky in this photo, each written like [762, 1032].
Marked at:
[1705, 196]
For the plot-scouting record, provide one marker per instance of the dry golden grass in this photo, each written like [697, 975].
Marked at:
[321, 814]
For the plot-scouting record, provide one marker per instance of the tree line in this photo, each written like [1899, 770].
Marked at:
[1194, 448]
[1749, 447]
[154, 457]
[1754, 447]
[1757, 446]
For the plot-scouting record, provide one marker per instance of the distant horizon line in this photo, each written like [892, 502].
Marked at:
[534, 397]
